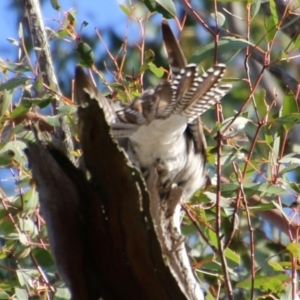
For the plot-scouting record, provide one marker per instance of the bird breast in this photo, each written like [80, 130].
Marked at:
[163, 142]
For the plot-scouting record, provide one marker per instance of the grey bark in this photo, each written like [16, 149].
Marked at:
[33, 15]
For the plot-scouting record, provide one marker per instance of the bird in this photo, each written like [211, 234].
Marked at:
[162, 127]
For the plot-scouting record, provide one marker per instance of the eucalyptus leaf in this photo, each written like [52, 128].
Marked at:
[266, 283]
[157, 71]
[86, 53]
[255, 6]
[21, 293]
[13, 83]
[55, 4]
[5, 101]
[290, 120]
[21, 110]
[165, 7]
[224, 45]
[125, 9]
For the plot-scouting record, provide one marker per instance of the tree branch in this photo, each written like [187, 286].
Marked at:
[40, 42]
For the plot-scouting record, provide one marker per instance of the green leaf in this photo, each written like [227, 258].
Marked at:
[295, 186]
[288, 163]
[230, 154]
[55, 4]
[5, 101]
[71, 16]
[276, 147]
[28, 226]
[13, 83]
[208, 294]
[149, 55]
[225, 202]
[7, 228]
[275, 266]
[144, 67]
[21, 293]
[25, 276]
[287, 120]
[227, 1]
[220, 17]
[255, 7]
[21, 110]
[125, 9]
[66, 110]
[40, 102]
[260, 100]
[265, 188]
[231, 255]
[25, 182]
[15, 67]
[225, 45]
[268, 136]
[285, 264]
[63, 33]
[290, 159]
[262, 207]
[7, 285]
[289, 107]
[53, 120]
[62, 293]
[30, 200]
[26, 136]
[6, 158]
[294, 249]
[253, 188]
[16, 150]
[159, 72]
[296, 40]
[286, 169]
[117, 86]
[4, 296]
[273, 11]
[280, 209]
[266, 283]
[38, 84]
[14, 41]
[165, 7]
[86, 55]
[228, 189]
[43, 257]
[271, 29]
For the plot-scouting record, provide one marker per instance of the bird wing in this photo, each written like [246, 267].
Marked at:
[175, 55]
[204, 92]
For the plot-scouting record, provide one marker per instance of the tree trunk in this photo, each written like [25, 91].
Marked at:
[109, 236]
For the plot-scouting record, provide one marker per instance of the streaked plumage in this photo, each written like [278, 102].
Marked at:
[162, 127]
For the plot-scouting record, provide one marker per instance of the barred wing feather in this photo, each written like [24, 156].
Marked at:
[204, 92]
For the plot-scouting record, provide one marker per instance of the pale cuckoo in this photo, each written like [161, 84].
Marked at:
[162, 127]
